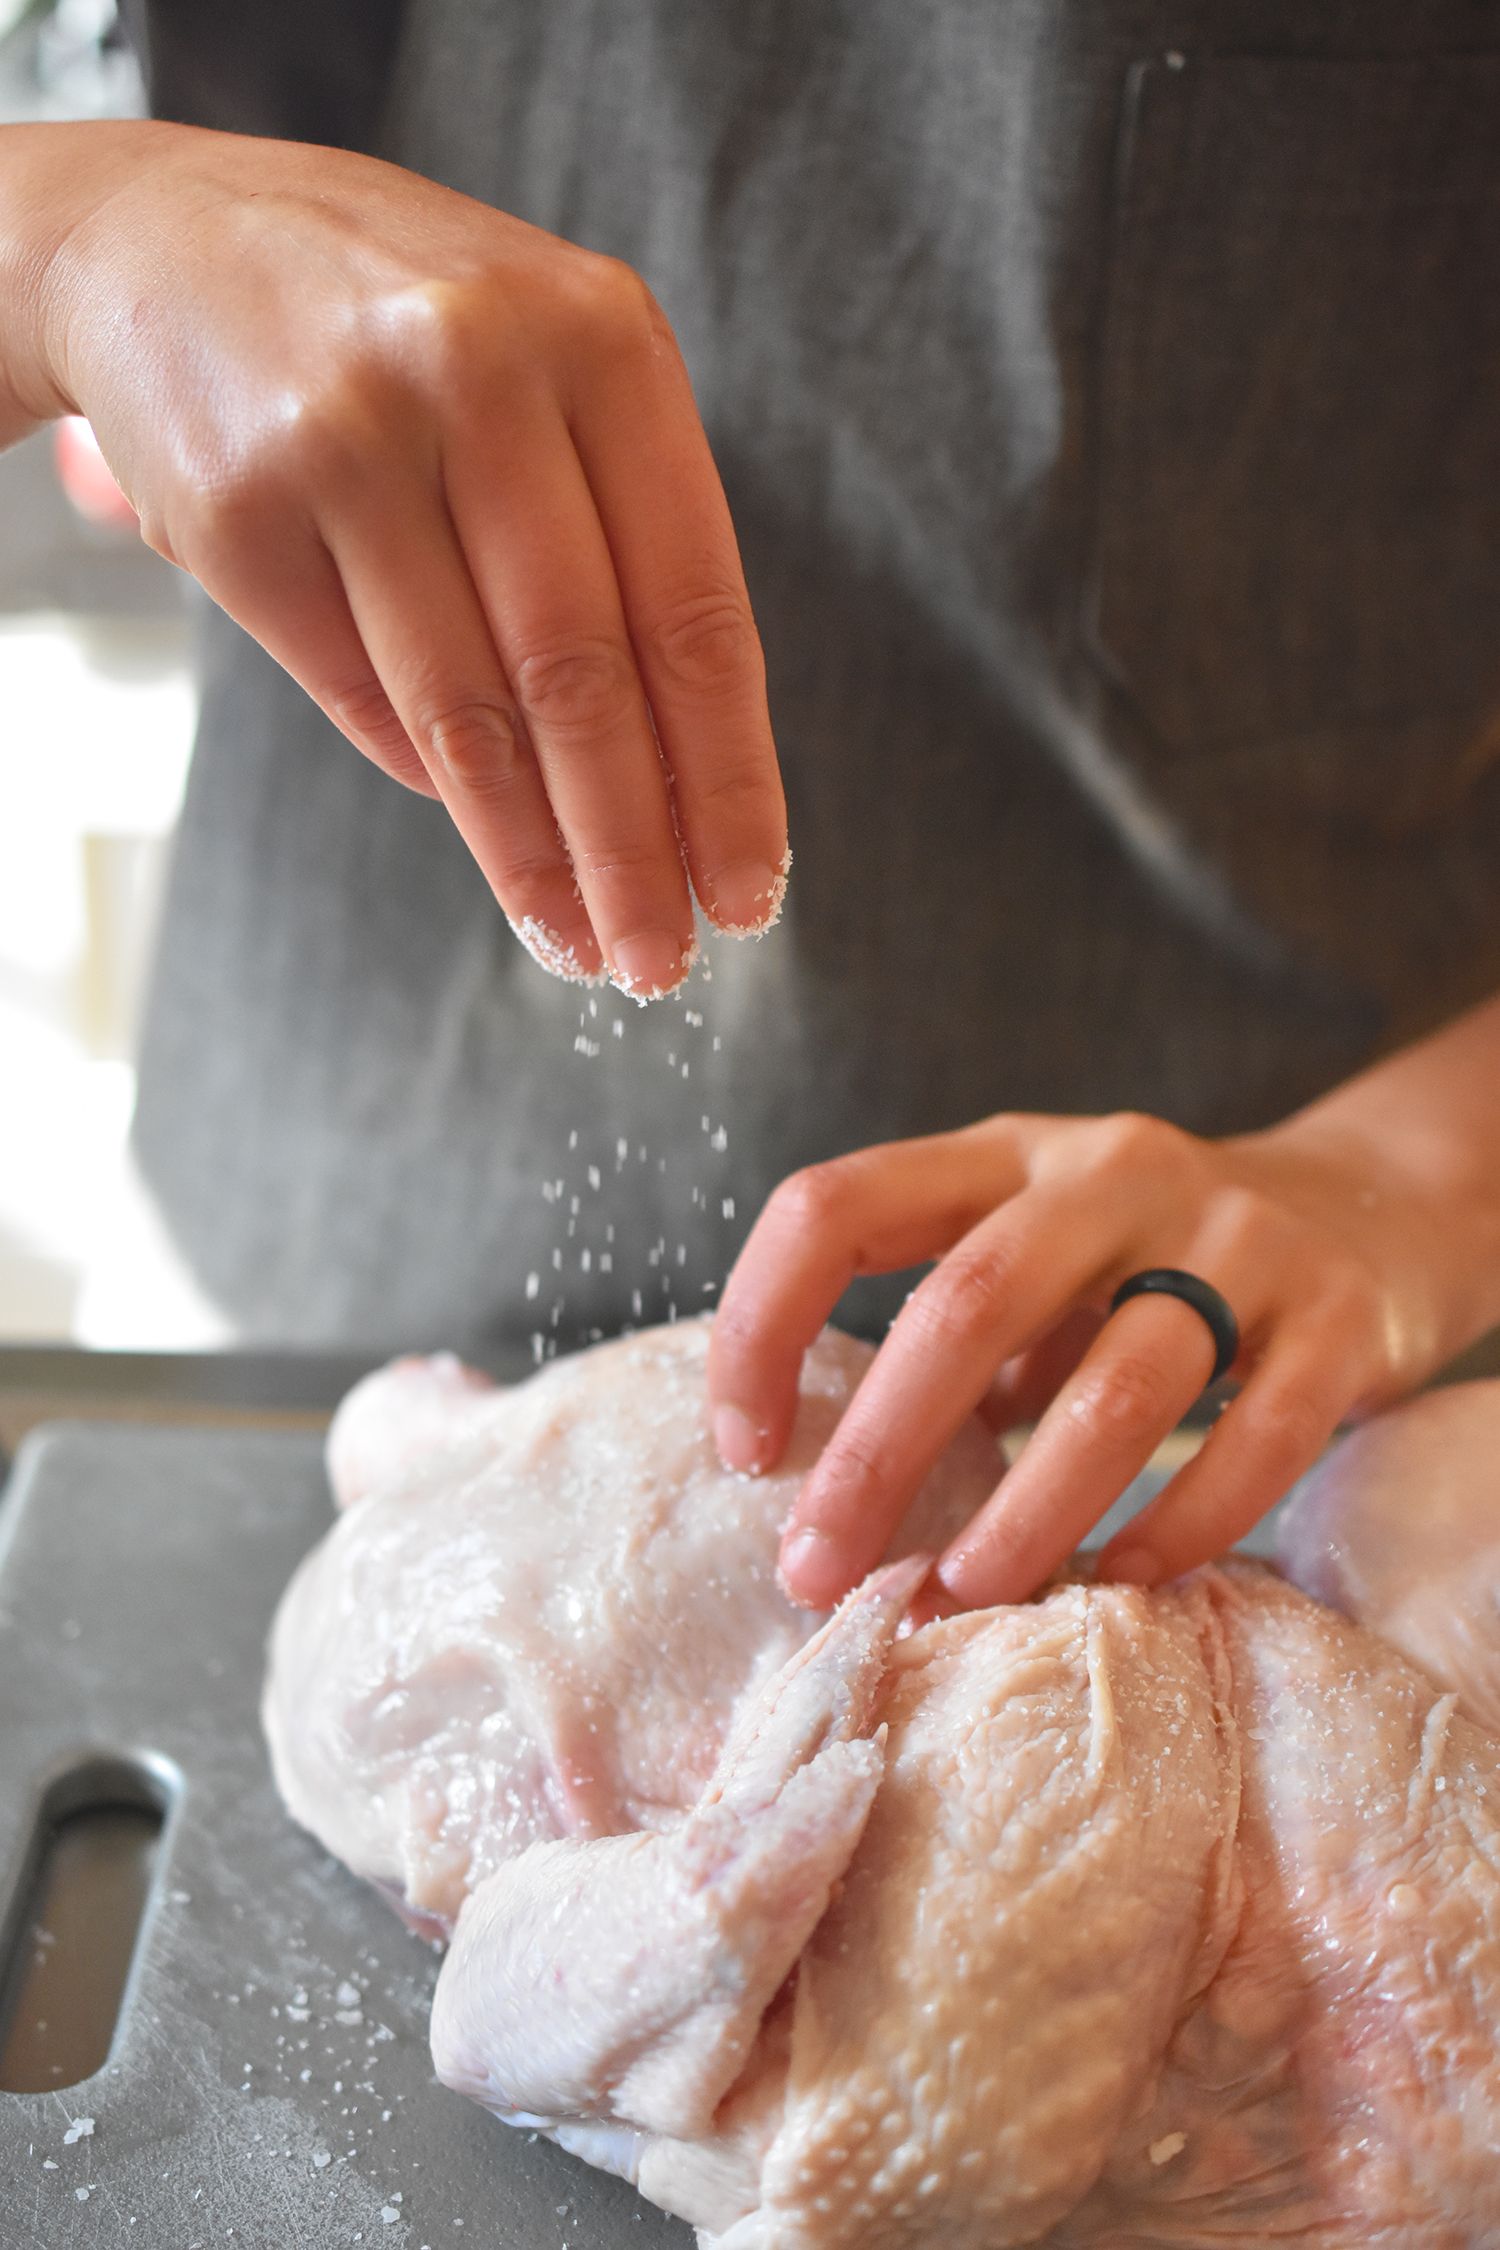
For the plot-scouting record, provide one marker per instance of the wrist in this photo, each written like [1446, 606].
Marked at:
[1416, 1191]
[55, 181]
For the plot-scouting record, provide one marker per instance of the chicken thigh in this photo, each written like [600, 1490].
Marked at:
[1114, 1919]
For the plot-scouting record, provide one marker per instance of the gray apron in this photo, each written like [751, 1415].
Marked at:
[1108, 397]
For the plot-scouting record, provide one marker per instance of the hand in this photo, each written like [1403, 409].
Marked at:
[449, 471]
[1345, 1274]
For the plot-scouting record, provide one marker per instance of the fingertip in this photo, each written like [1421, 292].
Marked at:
[745, 899]
[930, 1603]
[984, 1572]
[652, 963]
[1130, 1565]
[812, 1571]
[571, 953]
[742, 1443]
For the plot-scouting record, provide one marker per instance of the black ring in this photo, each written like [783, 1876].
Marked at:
[1206, 1301]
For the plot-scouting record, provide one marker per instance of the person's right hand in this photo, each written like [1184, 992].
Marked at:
[448, 470]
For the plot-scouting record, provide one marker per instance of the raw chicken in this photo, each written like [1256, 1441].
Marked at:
[1115, 1919]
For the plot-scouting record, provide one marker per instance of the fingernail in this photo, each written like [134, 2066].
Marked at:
[951, 1571]
[739, 1442]
[1132, 1566]
[810, 1570]
[650, 963]
[747, 897]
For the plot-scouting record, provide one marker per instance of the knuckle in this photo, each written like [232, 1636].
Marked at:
[1125, 1398]
[1292, 1426]
[1242, 1224]
[608, 302]
[858, 1467]
[437, 338]
[738, 788]
[966, 1292]
[707, 643]
[575, 690]
[1351, 1309]
[735, 1338]
[602, 861]
[156, 533]
[363, 709]
[625, 299]
[812, 1201]
[1130, 1141]
[477, 744]
[225, 512]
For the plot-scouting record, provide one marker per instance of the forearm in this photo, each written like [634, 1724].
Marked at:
[54, 179]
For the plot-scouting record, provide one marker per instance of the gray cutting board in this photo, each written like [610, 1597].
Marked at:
[245, 2101]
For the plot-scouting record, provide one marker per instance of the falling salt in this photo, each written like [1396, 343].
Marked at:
[533, 1285]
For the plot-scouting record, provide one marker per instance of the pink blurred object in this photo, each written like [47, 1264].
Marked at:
[86, 477]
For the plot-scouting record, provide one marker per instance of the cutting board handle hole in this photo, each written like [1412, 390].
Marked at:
[67, 1951]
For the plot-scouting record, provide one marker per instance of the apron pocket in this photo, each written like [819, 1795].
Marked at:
[1295, 582]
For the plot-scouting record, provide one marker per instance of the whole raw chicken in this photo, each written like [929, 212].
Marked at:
[1117, 1918]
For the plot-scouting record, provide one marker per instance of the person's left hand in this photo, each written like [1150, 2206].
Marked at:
[1338, 1265]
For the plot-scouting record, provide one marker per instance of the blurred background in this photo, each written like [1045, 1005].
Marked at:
[97, 711]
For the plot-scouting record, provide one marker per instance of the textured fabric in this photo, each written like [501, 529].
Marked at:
[303, 70]
[1108, 396]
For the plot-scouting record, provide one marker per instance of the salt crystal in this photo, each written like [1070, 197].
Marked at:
[81, 2129]
[1170, 2145]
